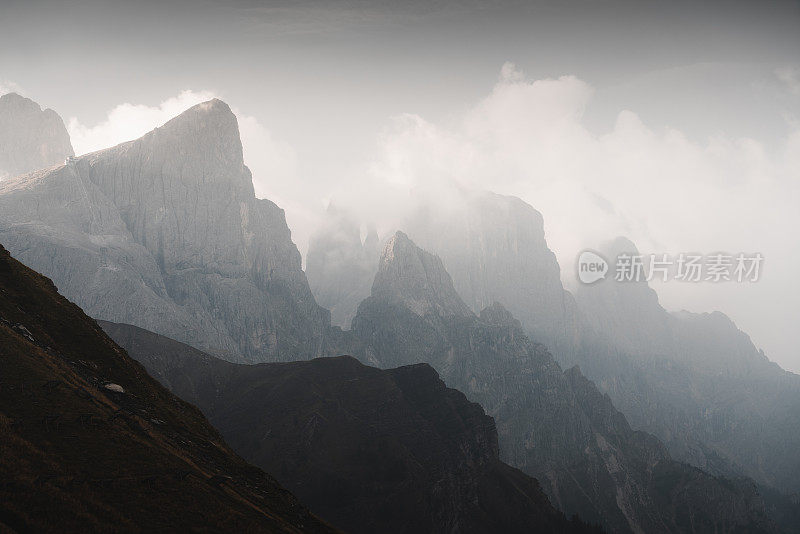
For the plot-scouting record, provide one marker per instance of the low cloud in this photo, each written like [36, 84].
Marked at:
[130, 121]
[666, 192]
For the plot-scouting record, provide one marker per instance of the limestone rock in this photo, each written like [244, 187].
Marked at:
[30, 138]
[165, 232]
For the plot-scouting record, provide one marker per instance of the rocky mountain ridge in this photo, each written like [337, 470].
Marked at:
[368, 450]
[554, 425]
[165, 232]
[30, 138]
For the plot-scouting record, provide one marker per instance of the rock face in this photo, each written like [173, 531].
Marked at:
[494, 248]
[369, 450]
[165, 232]
[340, 267]
[79, 456]
[553, 425]
[696, 381]
[30, 138]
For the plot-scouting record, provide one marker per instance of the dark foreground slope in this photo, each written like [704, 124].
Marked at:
[76, 456]
[368, 450]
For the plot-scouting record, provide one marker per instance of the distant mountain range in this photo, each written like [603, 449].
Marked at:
[694, 380]
[165, 233]
[554, 425]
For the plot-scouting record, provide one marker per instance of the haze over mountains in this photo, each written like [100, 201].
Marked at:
[553, 425]
[694, 380]
[165, 233]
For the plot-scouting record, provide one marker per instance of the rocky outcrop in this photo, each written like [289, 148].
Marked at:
[91, 443]
[552, 424]
[165, 232]
[369, 450]
[492, 245]
[30, 138]
[340, 267]
[494, 248]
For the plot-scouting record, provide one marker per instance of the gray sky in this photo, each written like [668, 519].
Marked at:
[708, 93]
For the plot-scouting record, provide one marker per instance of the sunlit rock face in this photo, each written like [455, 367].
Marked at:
[165, 232]
[552, 424]
[30, 138]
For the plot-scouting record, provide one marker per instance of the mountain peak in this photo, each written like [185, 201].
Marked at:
[16, 99]
[30, 138]
[416, 279]
[206, 130]
[179, 206]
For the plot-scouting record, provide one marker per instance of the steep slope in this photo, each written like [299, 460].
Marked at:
[492, 245]
[368, 450]
[340, 267]
[494, 248]
[30, 138]
[696, 381]
[165, 232]
[91, 443]
[553, 425]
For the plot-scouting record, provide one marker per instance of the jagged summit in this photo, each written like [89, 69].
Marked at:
[19, 101]
[208, 125]
[165, 232]
[495, 249]
[30, 138]
[552, 424]
[409, 275]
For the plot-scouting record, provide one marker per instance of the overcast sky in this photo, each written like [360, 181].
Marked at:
[673, 123]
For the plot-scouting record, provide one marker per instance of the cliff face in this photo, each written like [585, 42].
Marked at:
[91, 443]
[494, 248]
[553, 425]
[369, 450]
[165, 232]
[30, 138]
[340, 267]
